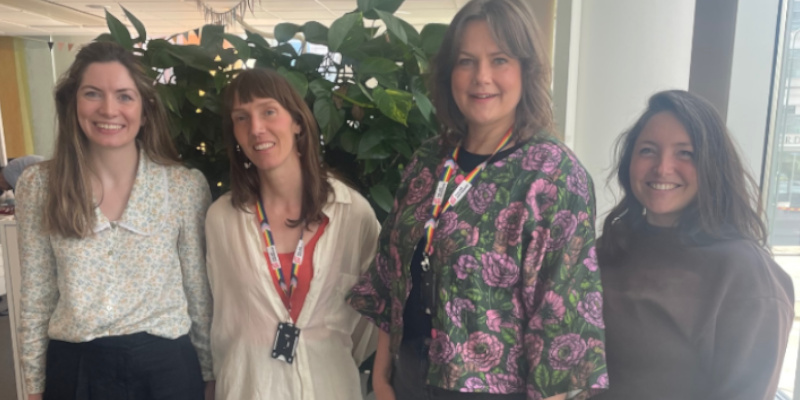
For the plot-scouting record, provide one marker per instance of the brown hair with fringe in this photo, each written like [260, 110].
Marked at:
[517, 34]
[69, 207]
[262, 83]
[727, 205]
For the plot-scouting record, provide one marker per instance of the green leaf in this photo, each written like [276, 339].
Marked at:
[376, 66]
[285, 31]
[287, 50]
[330, 118]
[297, 79]
[340, 30]
[394, 104]
[119, 31]
[167, 96]
[194, 97]
[221, 79]
[348, 140]
[411, 33]
[541, 376]
[241, 46]
[402, 147]
[257, 40]
[423, 102]
[369, 141]
[309, 62]
[371, 6]
[211, 37]
[509, 335]
[382, 196]
[315, 32]
[376, 153]
[473, 294]
[559, 376]
[365, 5]
[393, 25]
[136, 24]
[195, 57]
[431, 38]
[105, 37]
[321, 88]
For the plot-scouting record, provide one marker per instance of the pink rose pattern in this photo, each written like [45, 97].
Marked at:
[420, 186]
[591, 308]
[499, 270]
[520, 300]
[541, 196]
[442, 350]
[455, 307]
[464, 265]
[482, 351]
[511, 220]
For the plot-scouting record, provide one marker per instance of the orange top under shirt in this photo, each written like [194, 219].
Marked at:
[304, 274]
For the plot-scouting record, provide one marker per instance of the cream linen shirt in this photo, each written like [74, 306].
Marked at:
[143, 273]
[334, 339]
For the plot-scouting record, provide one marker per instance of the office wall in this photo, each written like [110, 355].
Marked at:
[13, 99]
[628, 50]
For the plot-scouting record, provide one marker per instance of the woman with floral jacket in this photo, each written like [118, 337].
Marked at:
[485, 285]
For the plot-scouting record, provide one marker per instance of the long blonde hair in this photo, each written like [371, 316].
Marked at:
[69, 207]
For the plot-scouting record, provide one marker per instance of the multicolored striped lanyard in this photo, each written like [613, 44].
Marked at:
[272, 253]
[437, 207]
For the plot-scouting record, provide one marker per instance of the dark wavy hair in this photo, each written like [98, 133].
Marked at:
[265, 83]
[516, 33]
[69, 206]
[727, 205]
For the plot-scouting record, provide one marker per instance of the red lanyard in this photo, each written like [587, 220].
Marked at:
[437, 208]
[272, 253]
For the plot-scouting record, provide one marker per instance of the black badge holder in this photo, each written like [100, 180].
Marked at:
[286, 339]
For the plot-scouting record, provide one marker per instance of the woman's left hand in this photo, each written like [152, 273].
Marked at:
[210, 388]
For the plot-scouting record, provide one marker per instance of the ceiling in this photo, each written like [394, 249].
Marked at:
[167, 17]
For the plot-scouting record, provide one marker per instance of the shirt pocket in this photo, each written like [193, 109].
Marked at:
[341, 316]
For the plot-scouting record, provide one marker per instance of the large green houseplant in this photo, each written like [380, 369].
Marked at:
[368, 92]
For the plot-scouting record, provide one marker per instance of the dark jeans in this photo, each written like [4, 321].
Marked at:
[410, 370]
[131, 367]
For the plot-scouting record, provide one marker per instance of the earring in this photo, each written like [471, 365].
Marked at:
[247, 164]
[238, 149]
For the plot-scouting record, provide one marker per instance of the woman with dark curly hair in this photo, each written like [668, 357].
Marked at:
[695, 307]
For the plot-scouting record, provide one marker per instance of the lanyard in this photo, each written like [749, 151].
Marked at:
[437, 207]
[272, 253]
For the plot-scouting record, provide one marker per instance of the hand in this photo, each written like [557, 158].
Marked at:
[37, 396]
[211, 386]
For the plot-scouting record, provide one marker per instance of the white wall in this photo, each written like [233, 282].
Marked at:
[629, 49]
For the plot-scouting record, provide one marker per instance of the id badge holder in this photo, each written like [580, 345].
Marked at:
[286, 339]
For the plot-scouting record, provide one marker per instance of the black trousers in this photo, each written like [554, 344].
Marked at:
[410, 370]
[131, 367]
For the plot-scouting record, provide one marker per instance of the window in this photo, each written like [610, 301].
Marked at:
[783, 177]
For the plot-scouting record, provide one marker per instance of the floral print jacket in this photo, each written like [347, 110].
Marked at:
[519, 305]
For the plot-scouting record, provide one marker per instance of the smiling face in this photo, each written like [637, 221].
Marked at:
[663, 175]
[265, 131]
[486, 82]
[109, 106]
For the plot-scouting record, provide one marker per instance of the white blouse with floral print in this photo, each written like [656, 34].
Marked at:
[143, 273]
